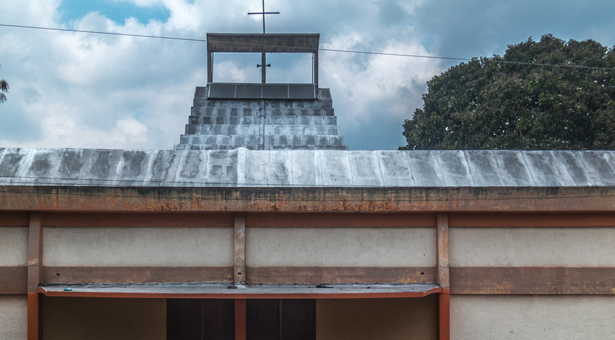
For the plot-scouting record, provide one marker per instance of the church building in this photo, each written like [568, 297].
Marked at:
[261, 224]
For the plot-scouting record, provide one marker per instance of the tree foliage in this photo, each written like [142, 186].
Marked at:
[487, 104]
[4, 88]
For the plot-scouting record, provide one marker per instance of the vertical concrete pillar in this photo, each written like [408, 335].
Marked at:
[444, 302]
[316, 68]
[210, 66]
[264, 67]
[239, 249]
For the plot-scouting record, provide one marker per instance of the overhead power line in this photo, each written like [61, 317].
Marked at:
[101, 32]
[320, 49]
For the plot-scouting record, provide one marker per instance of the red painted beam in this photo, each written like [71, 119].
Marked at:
[240, 319]
[444, 316]
[35, 324]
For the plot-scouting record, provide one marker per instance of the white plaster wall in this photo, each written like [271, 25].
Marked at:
[330, 247]
[504, 247]
[13, 317]
[138, 247]
[13, 246]
[532, 317]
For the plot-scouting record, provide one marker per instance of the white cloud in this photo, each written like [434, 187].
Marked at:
[386, 81]
[84, 90]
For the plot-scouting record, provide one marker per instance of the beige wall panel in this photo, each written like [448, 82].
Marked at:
[93, 319]
[503, 247]
[330, 247]
[382, 319]
[138, 247]
[532, 317]
[13, 317]
[13, 246]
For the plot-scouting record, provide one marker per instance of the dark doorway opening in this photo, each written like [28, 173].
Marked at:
[271, 319]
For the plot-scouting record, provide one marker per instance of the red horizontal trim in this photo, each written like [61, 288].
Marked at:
[128, 219]
[531, 220]
[331, 220]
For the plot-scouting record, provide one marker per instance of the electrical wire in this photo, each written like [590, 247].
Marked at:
[101, 32]
[307, 49]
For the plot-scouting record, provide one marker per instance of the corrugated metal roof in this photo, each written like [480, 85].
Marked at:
[305, 168]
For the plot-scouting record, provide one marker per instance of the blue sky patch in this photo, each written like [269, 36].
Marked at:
[118, 11]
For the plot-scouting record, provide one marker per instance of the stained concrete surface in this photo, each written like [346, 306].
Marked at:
[519, 247]
[530, 317]
[331, 247]
[13, 317]
[305, 168]
[13, 246]
[124, 247]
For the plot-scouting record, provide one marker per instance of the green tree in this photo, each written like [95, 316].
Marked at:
[4, 88]
[519, 102]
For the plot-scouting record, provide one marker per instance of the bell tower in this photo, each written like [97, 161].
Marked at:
[261, 116]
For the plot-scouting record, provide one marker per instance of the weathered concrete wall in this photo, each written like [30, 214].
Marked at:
[314, 168]
[510, 247]
[91, 318]
[13, 246]
[384, 319]
[13, 317]
[329, 247]
[138, 247]
[532, 317]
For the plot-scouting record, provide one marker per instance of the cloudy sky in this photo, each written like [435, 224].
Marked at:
[97, 91]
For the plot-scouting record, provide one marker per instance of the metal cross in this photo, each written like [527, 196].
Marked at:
[263, 64]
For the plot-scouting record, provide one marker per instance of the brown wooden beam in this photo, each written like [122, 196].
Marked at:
[256, 275]
[533, 280]
[239, 249]
[339, 275]
[35, 251]
[532, 220]
[13, 280]
[241, 319]
[312, 199]
[121, 219]
[14, 218]
[81, 275]
[442, 251]
[277, 275]
[332, 220]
